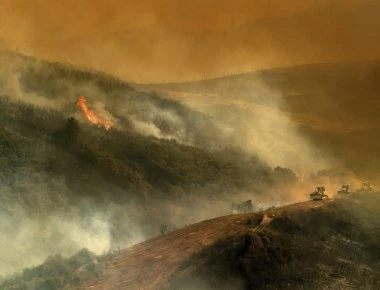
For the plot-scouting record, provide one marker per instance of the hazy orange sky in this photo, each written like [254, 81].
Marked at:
[173, 40]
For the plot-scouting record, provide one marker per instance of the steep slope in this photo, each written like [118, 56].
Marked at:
[59, 86]
[67, 184]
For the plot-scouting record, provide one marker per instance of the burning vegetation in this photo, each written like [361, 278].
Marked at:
[91, 116]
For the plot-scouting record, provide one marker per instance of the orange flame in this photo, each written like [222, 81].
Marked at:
[91, 116]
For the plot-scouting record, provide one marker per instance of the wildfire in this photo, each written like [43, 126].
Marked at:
[91, 116]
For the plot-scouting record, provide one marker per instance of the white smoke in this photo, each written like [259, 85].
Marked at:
[37, 220]
[254, 120]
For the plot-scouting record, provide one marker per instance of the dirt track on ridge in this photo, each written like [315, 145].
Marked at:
[149, 265]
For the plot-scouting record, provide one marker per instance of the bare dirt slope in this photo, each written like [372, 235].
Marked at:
[151, 264]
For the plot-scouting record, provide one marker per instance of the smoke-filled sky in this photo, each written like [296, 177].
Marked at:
[176, 40]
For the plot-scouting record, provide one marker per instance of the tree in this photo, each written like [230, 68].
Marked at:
[72, 127]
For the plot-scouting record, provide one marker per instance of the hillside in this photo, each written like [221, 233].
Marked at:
[310, 245]
[331, 108]
[67, 184]
[209, 244]
[306, 246]
[59, 86]
[330, 244]
[315, 89]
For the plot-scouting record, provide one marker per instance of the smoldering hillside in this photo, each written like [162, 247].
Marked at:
[59, 87]
[68, 184]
